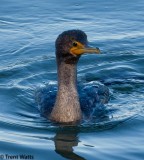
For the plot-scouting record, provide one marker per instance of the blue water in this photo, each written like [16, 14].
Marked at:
[28, 30]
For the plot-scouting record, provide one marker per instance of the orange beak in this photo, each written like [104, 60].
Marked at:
[80, 49]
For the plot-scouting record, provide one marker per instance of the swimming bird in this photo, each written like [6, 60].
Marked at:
[68, 102]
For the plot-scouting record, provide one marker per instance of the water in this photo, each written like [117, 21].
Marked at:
[28, 30]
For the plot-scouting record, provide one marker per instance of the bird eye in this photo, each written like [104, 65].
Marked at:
[74, 44]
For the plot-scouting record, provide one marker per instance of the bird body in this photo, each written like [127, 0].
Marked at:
[92, 97]
[67, 106]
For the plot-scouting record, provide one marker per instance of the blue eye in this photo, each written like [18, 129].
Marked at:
[74, 44]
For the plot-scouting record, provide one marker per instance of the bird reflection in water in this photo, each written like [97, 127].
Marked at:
[64, 141]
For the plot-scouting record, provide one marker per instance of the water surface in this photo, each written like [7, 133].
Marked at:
[28, 30]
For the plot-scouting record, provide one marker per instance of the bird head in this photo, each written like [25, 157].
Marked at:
[71, 44]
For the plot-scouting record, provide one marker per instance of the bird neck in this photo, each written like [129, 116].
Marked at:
[67, 106]
[67, 76]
